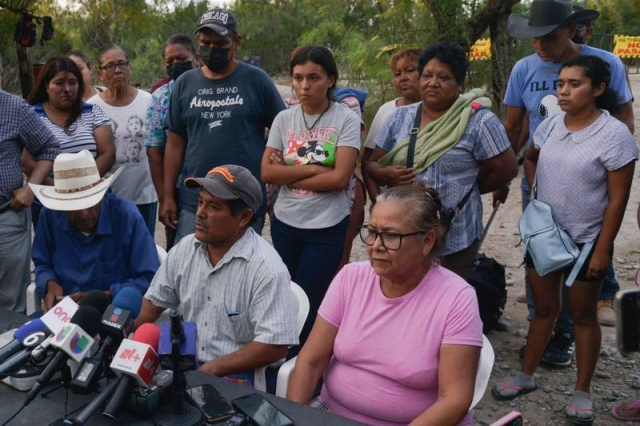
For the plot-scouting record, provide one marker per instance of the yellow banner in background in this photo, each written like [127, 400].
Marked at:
[626, 46]
[481, 50]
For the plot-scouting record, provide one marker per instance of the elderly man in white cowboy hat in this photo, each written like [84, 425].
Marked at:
[228, 280]
[87, 238]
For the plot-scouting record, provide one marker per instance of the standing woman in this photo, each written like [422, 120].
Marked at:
[406, 81]
[84, 64]
[583, 160]
[57, 99]
[312, 152]
[127, 108]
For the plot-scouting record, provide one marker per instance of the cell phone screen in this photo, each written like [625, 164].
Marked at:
[210, 402]
[261, 411]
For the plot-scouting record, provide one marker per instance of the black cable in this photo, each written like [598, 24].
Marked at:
[14, 416]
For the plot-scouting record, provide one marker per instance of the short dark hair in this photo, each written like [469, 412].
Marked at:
[318, 55]
[449, 53]
[82, 56]
[598, 71]
[182, 39]
[238, 206]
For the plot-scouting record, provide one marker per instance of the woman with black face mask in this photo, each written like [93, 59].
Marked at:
[178, 56]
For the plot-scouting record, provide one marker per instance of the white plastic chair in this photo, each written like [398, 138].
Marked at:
[485, 365]
[34, 303]
[301, 302]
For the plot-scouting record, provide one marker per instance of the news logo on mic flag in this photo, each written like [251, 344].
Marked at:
[137, 360]
[74, 341]
[56, 318]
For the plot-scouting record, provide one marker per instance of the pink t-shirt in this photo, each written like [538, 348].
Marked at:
[384, 369]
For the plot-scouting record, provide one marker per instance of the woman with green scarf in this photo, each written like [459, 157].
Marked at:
[461, 149]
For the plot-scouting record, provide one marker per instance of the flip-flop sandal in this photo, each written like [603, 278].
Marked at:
[618, 411]
[495, 392]
[581, 421]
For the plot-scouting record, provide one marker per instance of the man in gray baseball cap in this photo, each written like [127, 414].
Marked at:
[228, 280]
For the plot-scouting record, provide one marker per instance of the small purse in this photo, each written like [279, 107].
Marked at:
[549, 245]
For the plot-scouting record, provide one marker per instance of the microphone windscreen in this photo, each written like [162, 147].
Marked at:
[28, 328]
[148, 333]
[96, 298]
[88, 318]
[130, 299]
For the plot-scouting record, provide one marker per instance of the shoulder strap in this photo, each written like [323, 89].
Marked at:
[586, 249]
[413, 134]
[534, 187]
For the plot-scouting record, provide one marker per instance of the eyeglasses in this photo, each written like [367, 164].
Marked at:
[389, 240]
[112, 67]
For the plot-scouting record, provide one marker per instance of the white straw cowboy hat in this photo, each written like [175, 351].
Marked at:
[545, 16]
[77, 184]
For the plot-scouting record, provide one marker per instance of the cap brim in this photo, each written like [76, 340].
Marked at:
[80, 200]
[219, 29]
[212, 186]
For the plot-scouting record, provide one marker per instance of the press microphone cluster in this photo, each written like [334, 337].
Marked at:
[116, 324]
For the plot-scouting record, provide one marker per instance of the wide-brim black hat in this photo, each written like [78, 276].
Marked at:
[546, 16]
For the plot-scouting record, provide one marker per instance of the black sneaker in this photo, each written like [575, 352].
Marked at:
[559, 351]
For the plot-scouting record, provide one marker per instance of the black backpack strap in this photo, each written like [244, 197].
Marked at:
[413, 134]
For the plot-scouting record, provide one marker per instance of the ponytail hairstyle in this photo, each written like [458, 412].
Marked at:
[599, 72]
[423, 210]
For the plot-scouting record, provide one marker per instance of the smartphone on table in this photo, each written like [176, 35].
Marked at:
[260, 411]
[627, 307]
[210, 402]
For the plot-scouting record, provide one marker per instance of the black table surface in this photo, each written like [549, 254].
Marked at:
[45, 410]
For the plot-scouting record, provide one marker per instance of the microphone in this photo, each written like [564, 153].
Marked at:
[60, 314]
[23, 336]
[116, 324]
[96, 298]
[135, 361]
[186, 334]
[182, 338]
[74, 341]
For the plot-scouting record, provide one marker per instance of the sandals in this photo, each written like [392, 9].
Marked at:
[622, 411]
[504, 392]
[575, 418]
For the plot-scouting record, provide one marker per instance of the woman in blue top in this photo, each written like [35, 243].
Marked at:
[57, 98]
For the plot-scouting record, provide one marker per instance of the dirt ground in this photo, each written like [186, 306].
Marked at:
[617, 377]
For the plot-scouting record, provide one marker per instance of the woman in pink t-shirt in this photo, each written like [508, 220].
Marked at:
[397, 338]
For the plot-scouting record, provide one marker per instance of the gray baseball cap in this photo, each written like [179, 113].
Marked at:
[230, 182]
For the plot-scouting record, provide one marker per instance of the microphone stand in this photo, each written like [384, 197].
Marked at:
[179, 413]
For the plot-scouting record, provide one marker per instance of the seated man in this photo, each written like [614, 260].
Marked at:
[228, 280]
[88, 239]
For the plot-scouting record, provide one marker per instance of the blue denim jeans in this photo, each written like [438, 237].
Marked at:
[312, 257]
[149, 213]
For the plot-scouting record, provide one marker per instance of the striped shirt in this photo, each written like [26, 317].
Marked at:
[80, 134]
[455, 172]
[245, 297]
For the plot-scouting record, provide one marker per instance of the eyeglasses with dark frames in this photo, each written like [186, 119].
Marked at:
[389, 240]
[111, 67]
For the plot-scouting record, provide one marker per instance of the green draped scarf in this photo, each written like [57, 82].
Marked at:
[440, 135]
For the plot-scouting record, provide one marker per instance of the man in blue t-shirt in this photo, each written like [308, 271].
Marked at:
[531, 97]
[218, 115]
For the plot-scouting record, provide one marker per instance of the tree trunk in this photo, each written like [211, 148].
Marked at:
[25, 69]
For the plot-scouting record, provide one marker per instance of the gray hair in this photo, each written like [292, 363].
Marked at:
[423, 211]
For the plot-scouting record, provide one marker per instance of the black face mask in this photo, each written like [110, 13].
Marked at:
[215, 58]
[176, 69]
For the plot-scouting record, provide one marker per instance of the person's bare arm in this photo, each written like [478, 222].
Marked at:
[515, 127]
[336, 178]
[312, 361]
[498, 171]
[274, 170]
[105, 149]
[148, 313]
[530, 164]
[618, 190]
[395, 175]
[173, 160]
[23, 197]
[372, 187]
[456, 382]
[626, 116]
[248, 358]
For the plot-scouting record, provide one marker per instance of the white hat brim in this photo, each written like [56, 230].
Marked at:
[72, 201]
